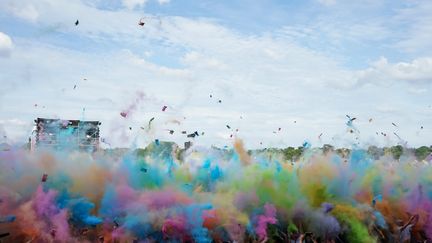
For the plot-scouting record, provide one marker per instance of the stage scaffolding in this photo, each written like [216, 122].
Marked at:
[66, 134]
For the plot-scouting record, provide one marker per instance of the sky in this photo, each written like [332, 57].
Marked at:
[297, 65]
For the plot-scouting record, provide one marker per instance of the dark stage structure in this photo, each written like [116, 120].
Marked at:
[66, 134]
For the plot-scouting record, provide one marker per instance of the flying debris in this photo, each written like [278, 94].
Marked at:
[164, 108]
[123, 114]
[370, 119]
[228, 126]
[183, 132]
[171, 131]
[150, 121]
[130, 128]
[211, 96]
[143, 170]
[394, 124]
[351, 119]
[220, 101]
[319, 137]
[75, 86]
[397, 135]
[192, 135]
[77, 22]
[145, 20]
[157, 141]
[141, 22]
[421, 127]
[44, 177]
[279, 129]
[350, 124]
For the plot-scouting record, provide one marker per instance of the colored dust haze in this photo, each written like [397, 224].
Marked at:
[167, 194]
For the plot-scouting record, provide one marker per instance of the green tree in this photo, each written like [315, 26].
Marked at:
[396, 151]
[327, 148]
[422, 152]
[375, 152]
[343, 152]
[292, 153]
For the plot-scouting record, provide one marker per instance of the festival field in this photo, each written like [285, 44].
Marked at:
[168, 194]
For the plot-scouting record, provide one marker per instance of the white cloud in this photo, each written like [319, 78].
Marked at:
[262, 77]
[96, 24]
[13, 128]
[419, 71]
[21, 9]
[163, 1]
[327, 2]
[5, 45]
[417, 36]
[417, 90]
[198, 60]
[157, 70]
[14, 121]
[131, 4]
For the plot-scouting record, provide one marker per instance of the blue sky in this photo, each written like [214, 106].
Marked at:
[298, 65]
